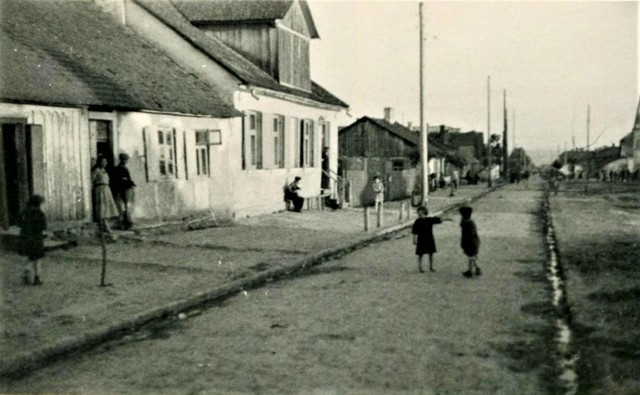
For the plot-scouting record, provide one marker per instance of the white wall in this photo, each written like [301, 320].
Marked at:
[186, 193]
[261, 190]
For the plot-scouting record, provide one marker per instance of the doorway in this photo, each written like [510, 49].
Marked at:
[103, 132]
[16, 170]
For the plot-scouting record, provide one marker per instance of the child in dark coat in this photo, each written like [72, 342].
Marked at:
[470, 242]
[423, 236]
[32, 223]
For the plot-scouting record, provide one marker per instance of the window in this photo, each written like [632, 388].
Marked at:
[278, 141]
[397, 165]
[253, 140]
[324, 132]
[306, 143]
[202, 153]
[166, 152]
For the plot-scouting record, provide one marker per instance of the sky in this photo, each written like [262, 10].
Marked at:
[554, 59]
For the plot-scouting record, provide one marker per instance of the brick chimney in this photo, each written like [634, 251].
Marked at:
[390, 114]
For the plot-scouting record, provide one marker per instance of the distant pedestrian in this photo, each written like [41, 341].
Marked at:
[123, 191]
[378, 190]
[470, 241]
[422, 231]
[32, 225]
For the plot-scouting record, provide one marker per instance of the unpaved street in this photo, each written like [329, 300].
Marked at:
[365, 323]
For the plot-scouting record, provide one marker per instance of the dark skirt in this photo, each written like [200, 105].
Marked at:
[426, 244]
[33, 248]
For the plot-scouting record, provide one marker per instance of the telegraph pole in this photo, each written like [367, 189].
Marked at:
[588, 169]
[489, 153]
[424, 144]
[505, 135]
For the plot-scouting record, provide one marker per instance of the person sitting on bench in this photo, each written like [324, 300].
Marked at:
[291, 194]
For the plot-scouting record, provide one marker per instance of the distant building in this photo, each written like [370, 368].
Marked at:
[469, 146]
[384, 147]
[630, 145]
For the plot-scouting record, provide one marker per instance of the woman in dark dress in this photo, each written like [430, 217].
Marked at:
[423, 236]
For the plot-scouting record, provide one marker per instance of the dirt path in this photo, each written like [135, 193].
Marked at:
[365, 323]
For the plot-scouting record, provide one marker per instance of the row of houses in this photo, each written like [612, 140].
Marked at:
[212, 99]
[609, 163]
[384, 147]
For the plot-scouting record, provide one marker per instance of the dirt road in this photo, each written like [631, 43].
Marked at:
[365, 323]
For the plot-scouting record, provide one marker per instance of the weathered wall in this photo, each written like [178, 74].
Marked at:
[65, 163]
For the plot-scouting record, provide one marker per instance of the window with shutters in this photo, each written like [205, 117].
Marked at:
[278, 141]
[252, 133]
[306, 143]
[202, 153]
[166, 152]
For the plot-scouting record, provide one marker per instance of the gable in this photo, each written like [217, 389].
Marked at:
[296, 21]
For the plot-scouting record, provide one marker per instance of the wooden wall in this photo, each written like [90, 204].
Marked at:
[369, 140]
[258, 43]
[65, 146]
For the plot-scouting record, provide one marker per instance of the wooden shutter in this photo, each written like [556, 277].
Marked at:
[150, 153]
[190, 148]
[176, 162]
[38, 185]
[259, 141]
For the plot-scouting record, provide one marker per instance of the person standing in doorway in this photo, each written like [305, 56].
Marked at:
[103, 205]
[32, 225]
[123, 191]
[324, 181]
[378, 190]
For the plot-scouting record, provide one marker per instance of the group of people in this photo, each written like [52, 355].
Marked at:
[33, 221]
[422, 231]
[112, 194]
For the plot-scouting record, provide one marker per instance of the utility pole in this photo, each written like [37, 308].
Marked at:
[424, 130]
[588, 169]
[489, 153]
[505, 135]
[514, 127]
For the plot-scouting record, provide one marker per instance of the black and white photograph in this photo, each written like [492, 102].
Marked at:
[319, 197]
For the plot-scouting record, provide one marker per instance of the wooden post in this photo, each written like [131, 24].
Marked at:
[379, 214]
[489, 153]
[409, 211]
[103, 244]
[366, 219]
[401, 215]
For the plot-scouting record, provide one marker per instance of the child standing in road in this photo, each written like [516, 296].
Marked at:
[33, 223]
[470, 242]
[423, 236]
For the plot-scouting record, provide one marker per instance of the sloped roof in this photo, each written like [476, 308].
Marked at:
[71, 53]
[233, 10]
[401, 131]
[236, 64]
[228, 11]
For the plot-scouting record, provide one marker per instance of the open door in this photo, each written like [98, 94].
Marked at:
[15, 170]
